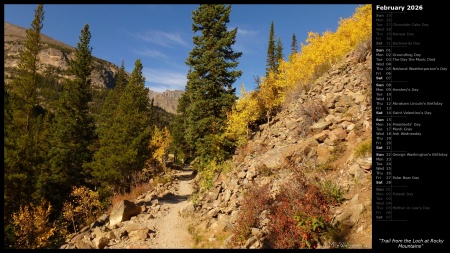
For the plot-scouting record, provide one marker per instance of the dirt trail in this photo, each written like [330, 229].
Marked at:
[172, 231]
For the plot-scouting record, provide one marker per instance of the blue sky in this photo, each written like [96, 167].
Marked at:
[160, 35]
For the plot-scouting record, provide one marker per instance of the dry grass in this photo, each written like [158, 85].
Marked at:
[363, 49]
[320, 70]
[132, 195]
[294, 94]
[207, 239]
[249, 148]
[364, 148]
[311, 111]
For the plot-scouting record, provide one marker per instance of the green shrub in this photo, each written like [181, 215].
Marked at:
[332, 192]
[364, 148]
[208, 170]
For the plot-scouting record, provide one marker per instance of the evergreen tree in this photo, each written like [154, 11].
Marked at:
[134, 116]
[209, 94]
[124, 144]
[112, 100]
[178, 129]
[121, 80]
[154, 118]
[74, 129]
[25, 136]
[271, 60]
[278, 53]
[294, 45]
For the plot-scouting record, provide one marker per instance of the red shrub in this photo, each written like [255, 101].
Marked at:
[299, 216]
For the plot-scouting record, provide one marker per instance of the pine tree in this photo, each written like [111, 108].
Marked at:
[271, 60]
[25, 135]
[178, 130]
[121, 80]
[278, 53]
[124, 144]
[134, 116]
[209, 93]
[154, 118]
[104, 133]
[74, 129]
[112, 100]
[294, 45]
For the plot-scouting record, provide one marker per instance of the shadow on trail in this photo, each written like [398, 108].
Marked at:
[180, 168]
[186, 177]
[173, 199]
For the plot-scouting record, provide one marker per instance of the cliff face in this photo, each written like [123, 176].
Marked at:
[54, 57]
[168, 100]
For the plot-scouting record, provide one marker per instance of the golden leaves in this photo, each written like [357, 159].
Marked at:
[318, 54]
[31, 226]
[159, 144]
[82, 207]
[245, 111]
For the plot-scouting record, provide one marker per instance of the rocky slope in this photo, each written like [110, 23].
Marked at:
[319, 131]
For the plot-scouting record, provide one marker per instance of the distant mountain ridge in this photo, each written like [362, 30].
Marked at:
[168, 100]
[55, 56]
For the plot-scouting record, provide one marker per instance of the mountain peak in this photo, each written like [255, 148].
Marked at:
[167, 100]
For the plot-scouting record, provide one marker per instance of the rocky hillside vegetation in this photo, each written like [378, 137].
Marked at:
[304, 180]
[311, 166]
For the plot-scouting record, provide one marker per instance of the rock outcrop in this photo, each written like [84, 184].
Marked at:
[123, 211]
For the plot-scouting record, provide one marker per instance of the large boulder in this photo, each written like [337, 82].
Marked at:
[123, 211]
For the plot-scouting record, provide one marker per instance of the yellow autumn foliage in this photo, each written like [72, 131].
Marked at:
[245, 111]
[32, 227]
[320, 52]
[270, 94]
[326, 49]
[83, 207]
[159, 144]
